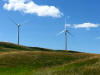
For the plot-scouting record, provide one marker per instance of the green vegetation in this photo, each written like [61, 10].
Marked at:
[23, 60]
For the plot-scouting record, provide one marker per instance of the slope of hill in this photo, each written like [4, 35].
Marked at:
[22, 60]
[6, 46]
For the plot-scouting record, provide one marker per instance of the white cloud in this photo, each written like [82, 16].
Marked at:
[68, 25]
[86, 25]
[28, 6]
[98, 38]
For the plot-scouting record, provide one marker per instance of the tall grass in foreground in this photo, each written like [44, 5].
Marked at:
[16, 71]
[32, 63]
[83, 67]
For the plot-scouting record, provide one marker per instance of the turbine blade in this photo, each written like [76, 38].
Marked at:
[60, 32]
[68, 36]
[25, 22]
[65, 22]
[12, 20]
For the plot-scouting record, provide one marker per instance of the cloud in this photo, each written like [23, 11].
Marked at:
[86, 25]
[29, 7]
[98, 38]
[68, 25]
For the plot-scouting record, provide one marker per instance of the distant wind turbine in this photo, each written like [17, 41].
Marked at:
[18, 27]
[66, 32]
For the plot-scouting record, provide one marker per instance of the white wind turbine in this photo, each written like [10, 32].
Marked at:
[18, 27]
[66, 32]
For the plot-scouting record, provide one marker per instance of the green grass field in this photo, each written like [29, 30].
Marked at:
[23, 60]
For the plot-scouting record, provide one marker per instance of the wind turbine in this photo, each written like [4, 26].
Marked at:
[65, 31]
[18, 29]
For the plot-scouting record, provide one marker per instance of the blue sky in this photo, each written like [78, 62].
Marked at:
[45, 23]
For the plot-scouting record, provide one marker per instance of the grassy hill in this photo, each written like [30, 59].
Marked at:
[23, 60]
[6, 46]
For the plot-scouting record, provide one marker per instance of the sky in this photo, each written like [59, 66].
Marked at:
[42, 20]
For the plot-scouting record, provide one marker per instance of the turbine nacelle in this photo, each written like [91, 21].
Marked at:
[18, 24]
[65, 30]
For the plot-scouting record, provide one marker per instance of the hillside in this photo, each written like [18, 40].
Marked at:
[22, 60]
[6, 46]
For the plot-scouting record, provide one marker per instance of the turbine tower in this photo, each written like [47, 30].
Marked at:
[66, 32]
[18, 33]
